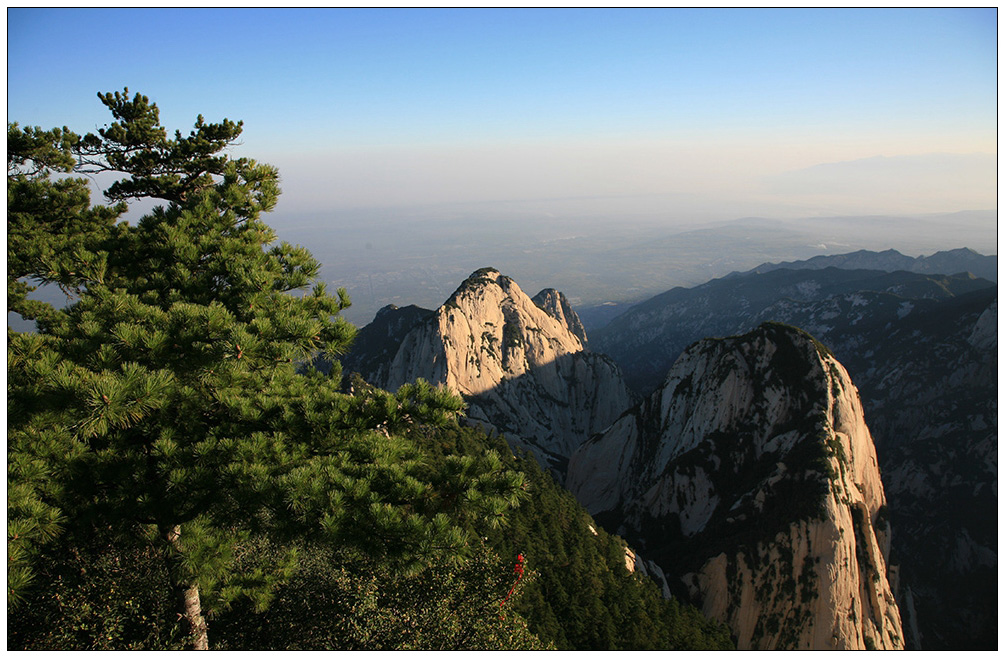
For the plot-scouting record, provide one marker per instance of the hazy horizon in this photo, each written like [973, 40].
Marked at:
[448, 137]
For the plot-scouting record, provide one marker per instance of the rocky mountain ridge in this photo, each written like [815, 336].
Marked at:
[521, 367]
[927, 371]
[923, 351]
[647, 339]
[922, 348]
[751, 476]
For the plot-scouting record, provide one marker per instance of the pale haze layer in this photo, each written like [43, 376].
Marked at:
[482, 121]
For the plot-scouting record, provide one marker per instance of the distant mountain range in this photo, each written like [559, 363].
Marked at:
[596, 316]
[647, 339]
[948, 262]
[599, 260]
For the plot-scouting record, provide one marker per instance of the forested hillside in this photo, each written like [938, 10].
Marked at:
[575, 592]
[178, 476]
[583, 596]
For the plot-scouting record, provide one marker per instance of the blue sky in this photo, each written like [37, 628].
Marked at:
[382, 107]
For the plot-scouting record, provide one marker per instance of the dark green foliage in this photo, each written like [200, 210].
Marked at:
[32, 518]
[482, 273]
[107, 598]
[64, 249]
[584, 598]
[97, 596]
[576, 592]
[162, 168]
[341, 602]
[783, 336]
[511, 335]
[110, 596]
[169, 377]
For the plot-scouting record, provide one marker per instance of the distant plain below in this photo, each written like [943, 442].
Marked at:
[602, 264]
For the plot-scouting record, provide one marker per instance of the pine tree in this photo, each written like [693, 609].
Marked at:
[171, 386]
[55, 251]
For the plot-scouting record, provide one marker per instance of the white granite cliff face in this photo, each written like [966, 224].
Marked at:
[521, 368]
[555, 305]
[751, 479]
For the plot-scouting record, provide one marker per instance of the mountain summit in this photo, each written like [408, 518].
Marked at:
[751, 476]
[522, 368]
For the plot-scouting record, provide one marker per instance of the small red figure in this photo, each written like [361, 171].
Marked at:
[518, 571]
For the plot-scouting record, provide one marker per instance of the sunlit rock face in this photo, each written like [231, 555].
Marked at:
[927, 371]
[751, 479]
[557, 306]
[522, 368]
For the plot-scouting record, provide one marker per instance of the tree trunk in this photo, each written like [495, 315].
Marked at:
[197, 629]
[194, 625]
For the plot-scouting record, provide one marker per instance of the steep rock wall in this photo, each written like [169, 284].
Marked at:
[750, 476]
[557, 306]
